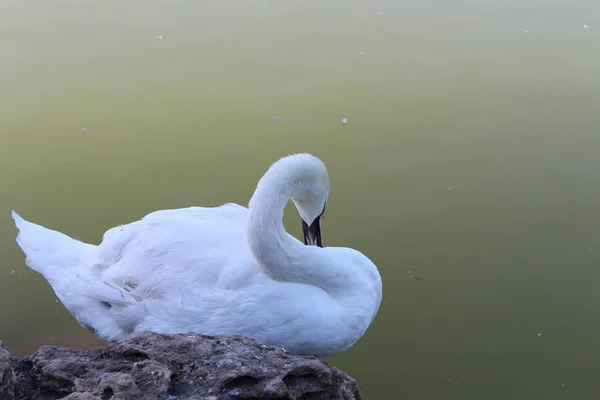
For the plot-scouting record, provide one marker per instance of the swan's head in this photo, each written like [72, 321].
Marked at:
[311, 218]
[310, 191]
[304, 179]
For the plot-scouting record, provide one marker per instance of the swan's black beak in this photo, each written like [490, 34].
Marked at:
[312, 233]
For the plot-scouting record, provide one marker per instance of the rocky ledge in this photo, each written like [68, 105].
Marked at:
[171, 367]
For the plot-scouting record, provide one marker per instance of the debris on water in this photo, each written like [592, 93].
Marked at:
[539, 334]
[486, 378]
[449, 188]
[525, 31]
[415, 277]
[84, 129]
[362, 53]
[11, 273]
[344, 120]
[592, 249]
[585, 26]
[159, 37]
[379, 13]
[487, 341]
[276, 118]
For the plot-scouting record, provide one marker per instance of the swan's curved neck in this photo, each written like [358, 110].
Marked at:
[281, 256]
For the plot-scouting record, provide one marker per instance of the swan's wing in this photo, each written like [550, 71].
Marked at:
[166, 253]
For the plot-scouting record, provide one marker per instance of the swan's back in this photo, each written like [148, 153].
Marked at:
[191, 246]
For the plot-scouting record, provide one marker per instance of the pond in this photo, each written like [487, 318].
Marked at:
[469, 159]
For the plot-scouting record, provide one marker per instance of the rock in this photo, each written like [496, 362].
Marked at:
[172, 367]
[7, 375]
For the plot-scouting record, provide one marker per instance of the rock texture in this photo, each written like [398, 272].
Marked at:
[7, 375]
[172, 367]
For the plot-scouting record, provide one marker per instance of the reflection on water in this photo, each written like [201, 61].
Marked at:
[469, 160]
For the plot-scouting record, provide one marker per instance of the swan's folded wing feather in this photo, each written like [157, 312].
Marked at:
[108, 292]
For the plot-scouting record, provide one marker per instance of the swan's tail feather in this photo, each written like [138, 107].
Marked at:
[47, 251]
[66, 264]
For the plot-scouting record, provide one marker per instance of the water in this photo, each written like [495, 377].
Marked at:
[470, 159]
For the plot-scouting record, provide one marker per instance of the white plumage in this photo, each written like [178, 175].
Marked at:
[218, 270]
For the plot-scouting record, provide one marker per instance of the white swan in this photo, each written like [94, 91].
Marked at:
[218, 270]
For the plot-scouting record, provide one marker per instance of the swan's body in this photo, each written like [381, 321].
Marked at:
[221, 270]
